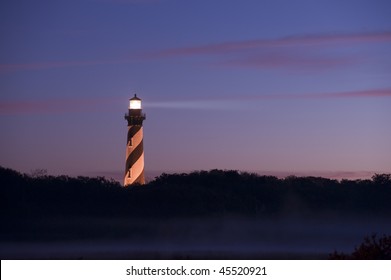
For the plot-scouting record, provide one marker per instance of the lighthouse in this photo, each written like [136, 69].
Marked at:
[134, 166]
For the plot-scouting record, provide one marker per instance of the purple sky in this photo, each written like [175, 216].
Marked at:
[281, 87]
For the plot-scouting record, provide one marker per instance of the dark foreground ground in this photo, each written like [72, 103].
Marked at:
[203, 215]
[207, 238]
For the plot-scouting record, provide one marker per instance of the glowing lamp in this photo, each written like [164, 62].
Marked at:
[135, 103]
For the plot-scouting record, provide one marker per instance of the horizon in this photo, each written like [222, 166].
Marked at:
[336, 175]
[150, 175]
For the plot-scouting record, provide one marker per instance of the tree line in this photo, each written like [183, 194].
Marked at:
[195, 194]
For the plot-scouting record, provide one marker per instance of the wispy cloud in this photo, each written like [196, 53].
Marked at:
[127, 1]
[358, 94]
[249, 53]
[372, 93]
[289, 60]
[221, 48]
[71, 105]
[239, 101]
[337, 175]
[56, 106]
[310, 52]
[6, 68]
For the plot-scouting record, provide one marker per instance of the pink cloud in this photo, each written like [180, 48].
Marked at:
[5, 68]
[358, 94]
[127, 1]
[286, 60]
[220, 48]
[274, 60]
[337, 175]
[373, 93]
[55, 106]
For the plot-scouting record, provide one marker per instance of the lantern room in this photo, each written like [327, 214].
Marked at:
[135, 103]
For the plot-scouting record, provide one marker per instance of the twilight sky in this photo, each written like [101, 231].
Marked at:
[298, 87]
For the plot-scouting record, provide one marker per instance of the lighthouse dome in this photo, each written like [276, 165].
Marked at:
[135, 97]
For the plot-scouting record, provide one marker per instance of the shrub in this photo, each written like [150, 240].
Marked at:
[372, 248]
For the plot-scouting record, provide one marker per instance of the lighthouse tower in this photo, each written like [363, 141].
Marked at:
[134, 167]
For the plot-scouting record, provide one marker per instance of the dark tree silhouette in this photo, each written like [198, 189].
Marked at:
[199, 193]
[382, 179]
[372, 248]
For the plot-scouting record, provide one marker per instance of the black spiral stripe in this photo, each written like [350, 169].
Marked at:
[133, 130]
[134, 156]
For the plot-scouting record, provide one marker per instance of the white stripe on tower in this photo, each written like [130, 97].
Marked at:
[138, 170]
